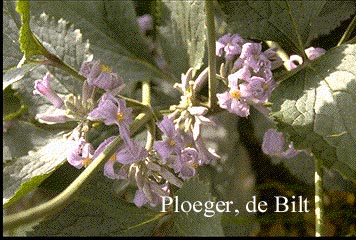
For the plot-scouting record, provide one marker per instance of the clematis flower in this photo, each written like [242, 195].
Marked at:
[173, 141]
[114, 111]
[186, 164]
[252, 56]
[234, 100]
[101, 76]
[273, 144]
[230, 44]
[42, 87]
[81, 154]
[257, 88]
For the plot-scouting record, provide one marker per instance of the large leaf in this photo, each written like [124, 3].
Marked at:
[182, 34]
[32, 155]
[294, 24]
[102, 23]
[316, 107]
[97, 211]
[191, 223]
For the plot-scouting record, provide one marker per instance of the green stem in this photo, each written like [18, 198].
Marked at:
[60, 201]
[213, 83]
[319, 208]
[348, 31]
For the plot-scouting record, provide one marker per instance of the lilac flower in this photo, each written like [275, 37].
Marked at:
[272, 56]
[145, 23]
[230, 44]
[313, 53]
[234, 100]
[42, 87]
[205, 156]
[52, 118]
[186, 163]
[198, 113]
[131, 153]
[173, 141]
[257, 88]
[113, 111]
[273, 144]
[156, 193]
[251, 53]
[101, 76]
[81, 154]
[6, 125]
[294, 61]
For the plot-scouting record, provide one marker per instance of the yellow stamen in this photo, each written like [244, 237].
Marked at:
[235, 94]
[105, 68]
[87, 161]
[113, 158]
[171, 143]
[120, 117]
[256, 56]
[265, 86]
[194, 165]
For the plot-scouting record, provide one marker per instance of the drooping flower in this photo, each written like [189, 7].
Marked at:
[273, 145]
[313, 53]
[114, 111]
[155, 192]
[199, 119]
[294, 61]
[101, 76]
[81, 154]
[173, 141]
[145, 22]
[42, 87]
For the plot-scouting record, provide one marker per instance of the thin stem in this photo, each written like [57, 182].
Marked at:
[348, 31]
[213, 84]
[61, 200]
[319, 208]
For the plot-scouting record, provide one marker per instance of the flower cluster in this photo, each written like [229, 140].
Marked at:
[168, 160]
[249, 74]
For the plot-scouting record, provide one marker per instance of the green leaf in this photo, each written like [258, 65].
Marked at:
[11, 48]
[107, 42]
[182, 34]
[31, 154]
[97, 211]
[316, 107]
[191, 223]
[28, 43]
[294, 24]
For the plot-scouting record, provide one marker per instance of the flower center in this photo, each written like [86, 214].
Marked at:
[87, 161]
[171, 142]
[256, 56]
[235, 94]
[194, 165]
[120, 117]
[265, 86]
[105, 68]
[113, 158]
